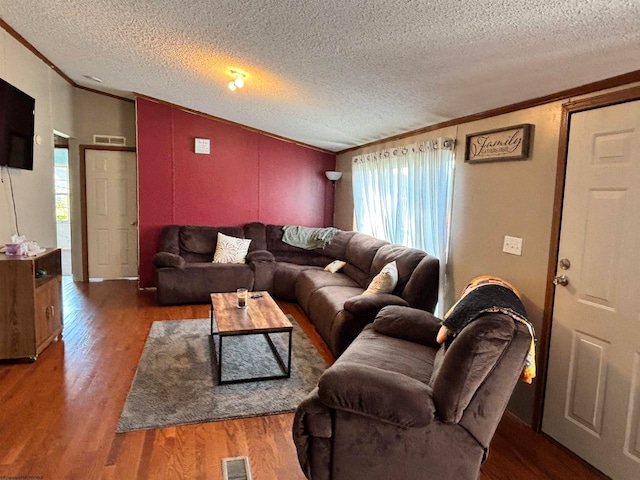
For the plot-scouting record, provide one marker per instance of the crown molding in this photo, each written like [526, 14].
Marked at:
[51, 65]
[229, 122]
[613, 82]
[617, 81]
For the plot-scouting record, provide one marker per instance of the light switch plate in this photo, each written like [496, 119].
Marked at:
[202, 146]
[512, 245]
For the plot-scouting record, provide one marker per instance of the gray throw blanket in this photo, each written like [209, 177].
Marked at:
[482, 299]
[308, 238]
[491, 294]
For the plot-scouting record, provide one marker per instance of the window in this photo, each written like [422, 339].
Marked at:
[62, 185]
[404, 196]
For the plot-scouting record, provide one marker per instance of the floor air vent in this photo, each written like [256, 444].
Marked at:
[236, 468]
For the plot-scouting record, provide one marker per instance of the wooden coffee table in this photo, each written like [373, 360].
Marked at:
[262, 316]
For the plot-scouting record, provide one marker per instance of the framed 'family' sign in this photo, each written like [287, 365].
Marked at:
[511, 143]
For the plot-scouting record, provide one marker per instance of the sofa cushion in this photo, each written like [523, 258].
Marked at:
[393, 354]
[368, 306]
[338, 246]
[285, 277]
[385, 281]
[300, 258]
[257, 232]
[326, 312]
[361, 250]
[198, 243]
[409, 324]
[335, 266]
[194, 282]
[361, 278]
[283, 252]
[407, 259]
[231, 249]
[274, 240]
[170, 239]
[311, 280]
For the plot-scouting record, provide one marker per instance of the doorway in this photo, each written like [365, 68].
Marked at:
[63, 202]
[110, 212]
[592, 399]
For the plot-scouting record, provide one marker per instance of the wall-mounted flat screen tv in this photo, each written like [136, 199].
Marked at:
[16, 127]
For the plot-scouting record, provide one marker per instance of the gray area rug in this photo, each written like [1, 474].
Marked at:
[176, 380]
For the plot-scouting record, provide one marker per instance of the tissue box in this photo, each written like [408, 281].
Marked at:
[14, 248]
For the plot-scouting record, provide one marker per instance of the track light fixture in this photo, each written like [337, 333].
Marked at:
[238, 80]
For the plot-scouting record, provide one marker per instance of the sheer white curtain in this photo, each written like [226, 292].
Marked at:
[404, 196]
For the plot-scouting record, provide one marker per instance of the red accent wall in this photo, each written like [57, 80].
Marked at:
[247, 177]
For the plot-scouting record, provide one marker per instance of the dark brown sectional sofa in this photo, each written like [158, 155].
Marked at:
[334, 302]
[397, 404]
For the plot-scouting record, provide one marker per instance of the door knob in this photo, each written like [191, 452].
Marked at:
[561, 280]
[134, 223]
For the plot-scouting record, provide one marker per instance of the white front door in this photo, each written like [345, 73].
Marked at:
[592, 399]
[112, 232]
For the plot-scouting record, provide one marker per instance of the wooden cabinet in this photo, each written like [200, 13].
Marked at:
[30, 303]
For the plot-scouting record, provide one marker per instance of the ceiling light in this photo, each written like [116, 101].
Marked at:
[238, 80]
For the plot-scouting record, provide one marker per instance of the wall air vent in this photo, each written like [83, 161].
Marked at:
[109, 140]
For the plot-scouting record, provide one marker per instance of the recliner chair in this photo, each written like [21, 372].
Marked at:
[396, 404]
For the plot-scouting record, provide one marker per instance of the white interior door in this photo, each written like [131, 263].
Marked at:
[592, 399]
[112, 231]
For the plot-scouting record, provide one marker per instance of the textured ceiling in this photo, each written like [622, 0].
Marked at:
[334, 73]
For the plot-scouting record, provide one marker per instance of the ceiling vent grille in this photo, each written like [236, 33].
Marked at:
[109, 140]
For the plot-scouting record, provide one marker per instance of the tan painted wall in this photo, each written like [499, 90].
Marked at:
[95, 114]
[490, 201]
[61, 107]
[34, 190]
[508, 198]
[103, 115]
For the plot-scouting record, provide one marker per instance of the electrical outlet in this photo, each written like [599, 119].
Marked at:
[512, 245]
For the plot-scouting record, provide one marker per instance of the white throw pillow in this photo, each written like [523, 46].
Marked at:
[385, 281]
[335, 266]
[231, 249]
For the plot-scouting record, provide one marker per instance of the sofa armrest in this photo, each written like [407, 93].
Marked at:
[262, 262]
[409, 324]
[367, 306]
[260, 256]
[313, 418]
[387, 396]
[421, 291]
[312, 431]
[166, 259]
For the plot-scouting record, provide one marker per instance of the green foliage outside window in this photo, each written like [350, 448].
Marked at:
[62, 208]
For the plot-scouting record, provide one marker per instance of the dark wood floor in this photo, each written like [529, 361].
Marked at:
[58, 415]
